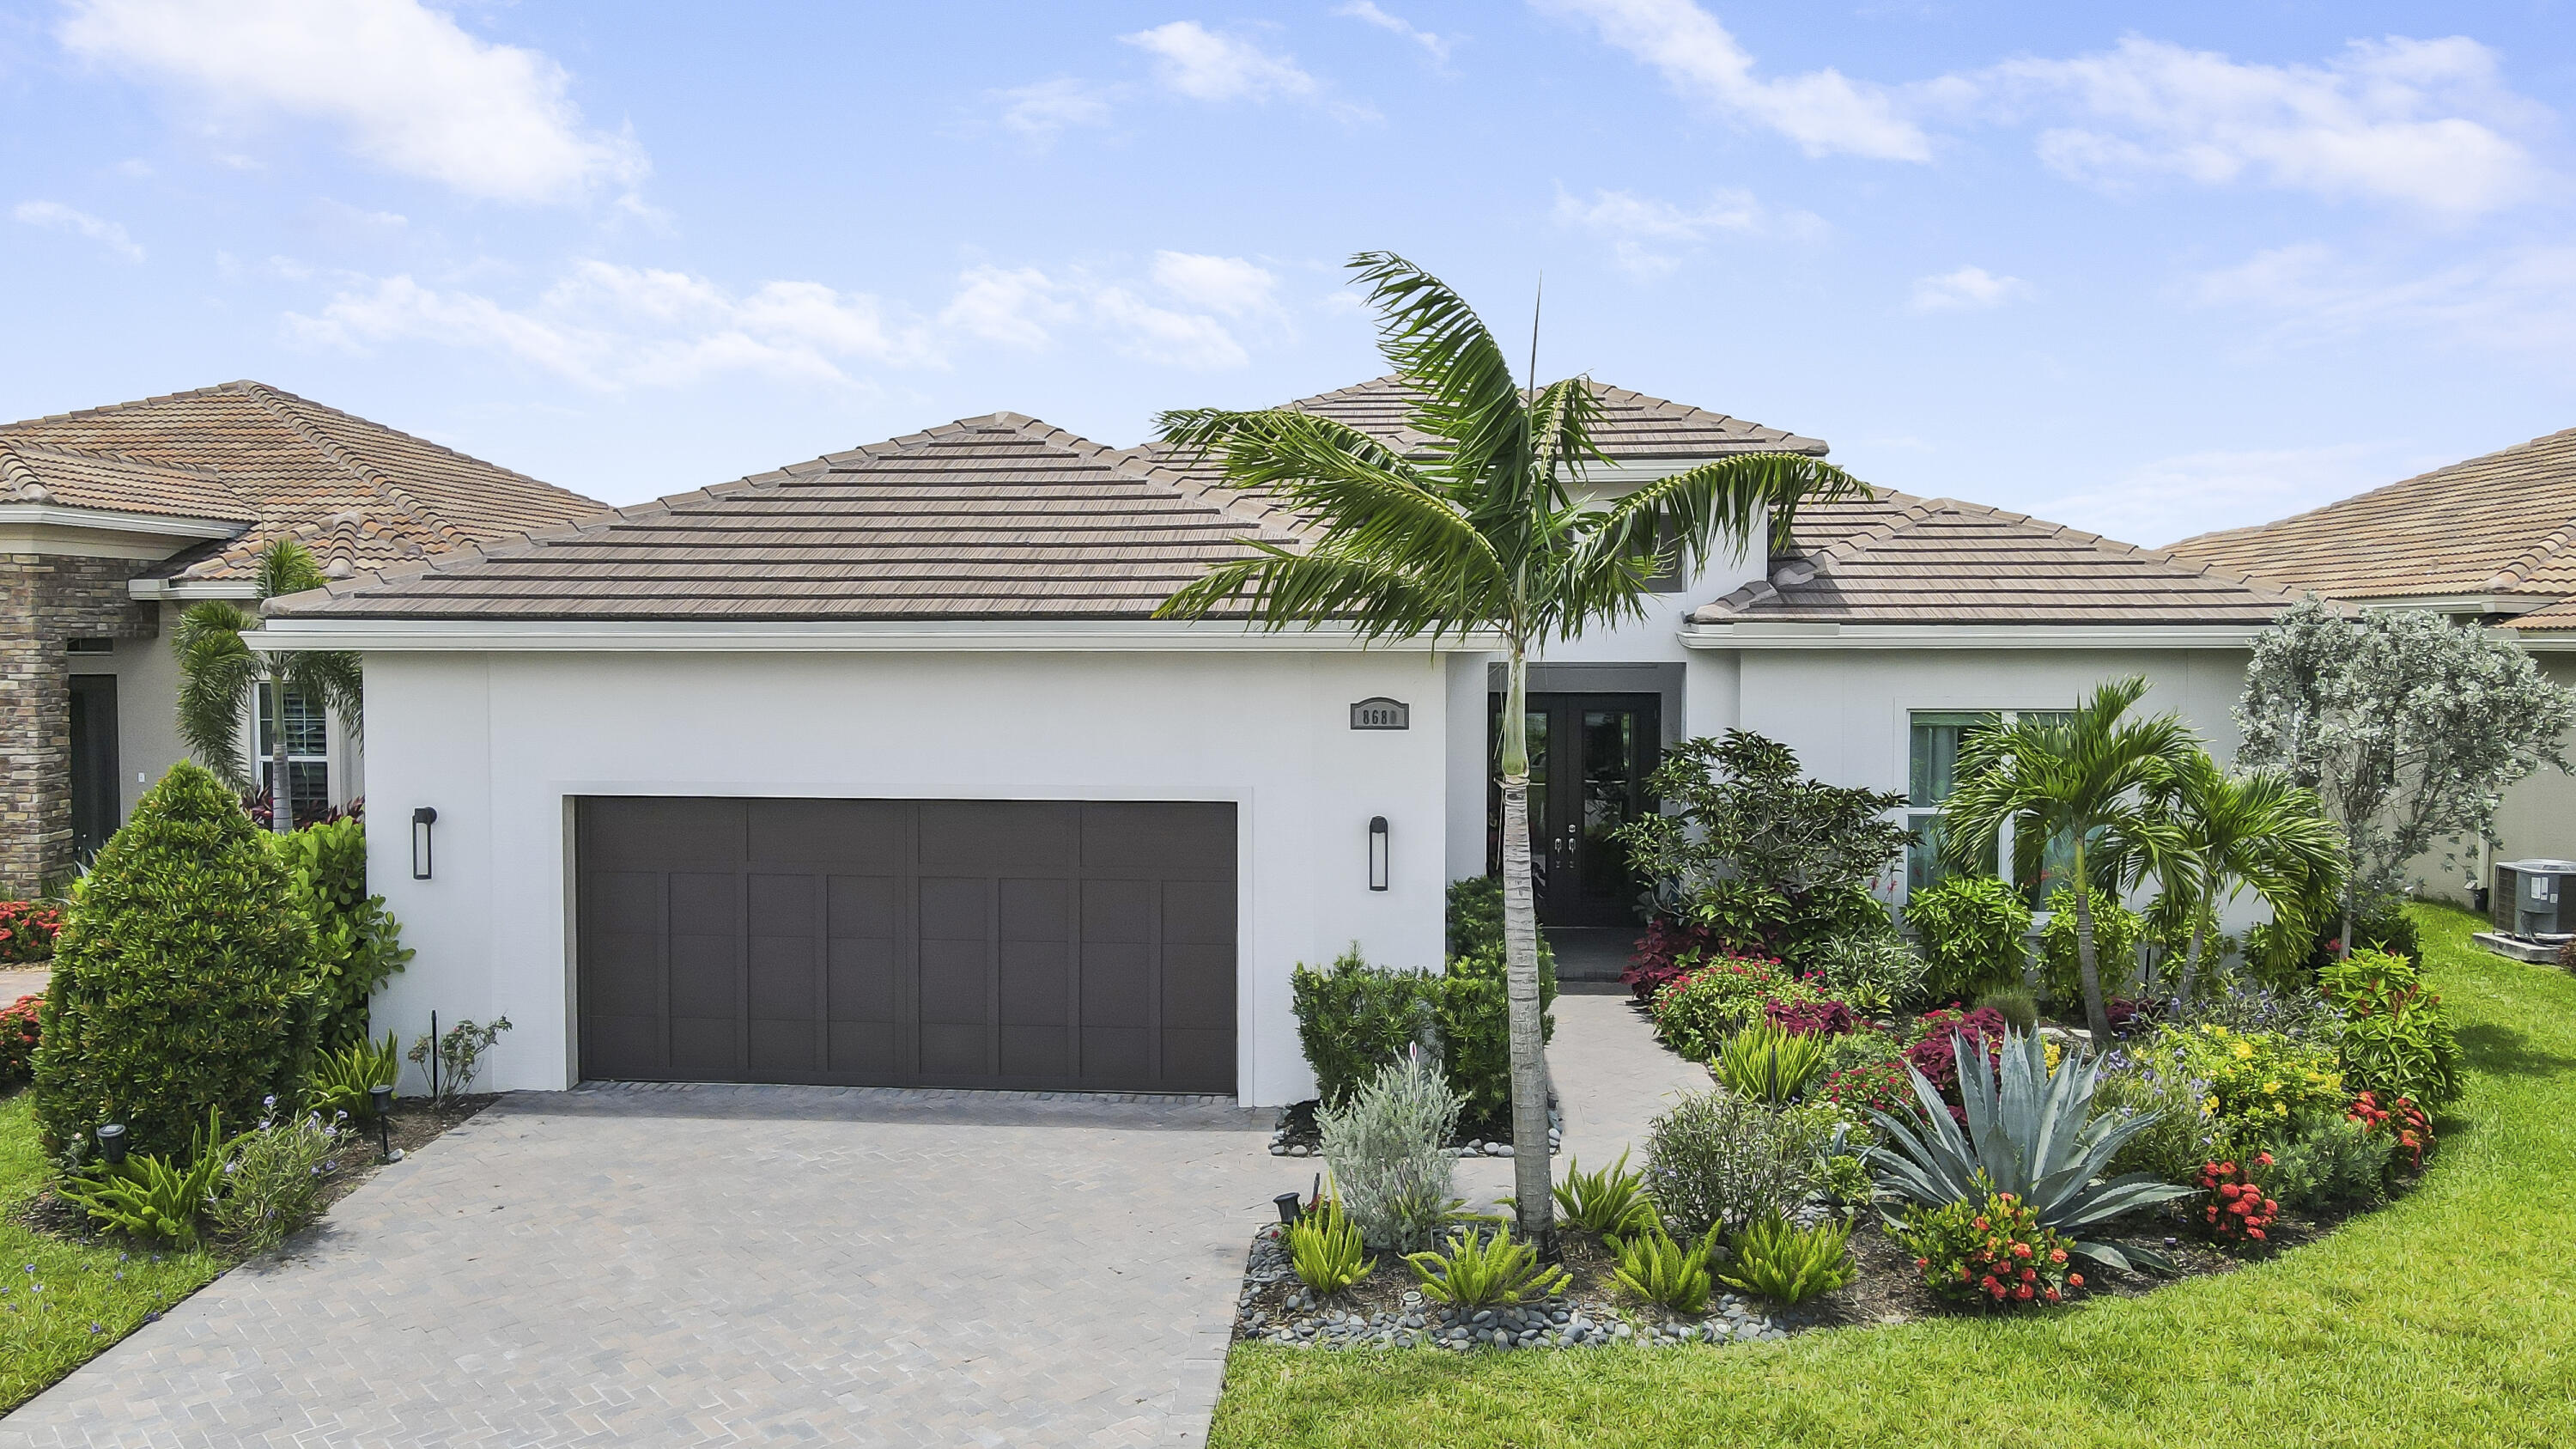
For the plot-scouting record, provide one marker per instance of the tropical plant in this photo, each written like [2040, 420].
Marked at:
[219, 666]
[1992, 1250]
[1713, 1157]
[459, 1055]
[1696, 1013]
[183, 979]
[1789, 1264]
[1325, 1250]
[2179, 1133]
[273, 1177]
[1766, 1064]
[2031, 1133]
[2330, 1160]
[27, 931]
[357, 944]
[343, 1080]
[1485, 1271]
[2408, 727]
[2255, 831]
[1877, 974]
[2253, 1084]
[1384, 1146]
[1665, 1271]
[2234, 1206]
[1822, 1019]
[2117, 934]
[1764, 857]
[2402, 1122]
[2075, 778]
[2014, 1004]
[151, 1196]
[1609, 1202]
[1486, 532]
[1972, 931]
[1844, 1179]
[1475, 920]
[2396, 1040]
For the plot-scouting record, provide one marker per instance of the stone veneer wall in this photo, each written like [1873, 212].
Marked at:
[45, 601]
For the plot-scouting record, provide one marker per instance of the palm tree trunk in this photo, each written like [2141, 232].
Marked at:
[1530, 1165]
[2086, 969]
[2191, 957]
[281, 799]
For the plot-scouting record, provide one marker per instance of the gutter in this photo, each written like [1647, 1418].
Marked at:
[831, 637]
[1831, 635]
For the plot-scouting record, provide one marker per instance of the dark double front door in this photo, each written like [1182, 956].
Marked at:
[1589, 758]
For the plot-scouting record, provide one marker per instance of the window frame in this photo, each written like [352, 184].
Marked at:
[316, 725]
[1925, 820]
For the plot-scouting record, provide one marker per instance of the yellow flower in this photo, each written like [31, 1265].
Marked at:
[2272, 1087]
[2244, 1049]
[2209, 1107]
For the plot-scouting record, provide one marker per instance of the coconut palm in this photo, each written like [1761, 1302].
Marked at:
[2081, 779]
[1487, 532]
[219, 667]
[2255, 831]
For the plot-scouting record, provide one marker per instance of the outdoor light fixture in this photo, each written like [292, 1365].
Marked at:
[1288, 1204]
[383, 1098]
[421, 819]
[1377, 852]
[111, 1143]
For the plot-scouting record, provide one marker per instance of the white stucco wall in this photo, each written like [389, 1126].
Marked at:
[498, 743]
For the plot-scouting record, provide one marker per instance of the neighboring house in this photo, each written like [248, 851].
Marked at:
[878, 769]
[2491, 540]
[115, 519]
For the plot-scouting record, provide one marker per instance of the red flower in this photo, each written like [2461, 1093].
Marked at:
[2074, 1280]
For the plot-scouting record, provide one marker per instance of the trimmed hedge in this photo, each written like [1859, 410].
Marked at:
[182, 979]
[356, 943]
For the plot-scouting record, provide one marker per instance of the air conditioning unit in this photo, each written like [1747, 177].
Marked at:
[2531, 899]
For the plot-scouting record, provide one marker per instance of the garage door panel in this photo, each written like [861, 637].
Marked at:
[967, 943]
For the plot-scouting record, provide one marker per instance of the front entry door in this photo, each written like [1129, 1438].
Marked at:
[1589, 758]
[93, 764]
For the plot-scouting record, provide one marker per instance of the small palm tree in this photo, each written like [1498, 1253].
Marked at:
[2253, 832]
[2081, 779]
[1484, 532]
[219, 666]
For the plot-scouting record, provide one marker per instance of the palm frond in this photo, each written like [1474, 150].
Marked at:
[1277, 589]
[1436, 342]
[287, 567]
[217, 672]
[333, 678]
[1682, 520]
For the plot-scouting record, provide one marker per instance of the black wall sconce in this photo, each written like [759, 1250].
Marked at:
[1377, 852]
[421, 820]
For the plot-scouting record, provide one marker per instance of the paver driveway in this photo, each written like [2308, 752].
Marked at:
[720, 1265]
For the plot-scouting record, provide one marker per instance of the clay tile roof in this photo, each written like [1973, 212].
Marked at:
[2504, 523]
[997, 517]
[34, 473]
[283, 464]
[1896, 559]
[2561, 615]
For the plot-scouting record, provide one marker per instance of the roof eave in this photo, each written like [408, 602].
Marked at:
[1830, 634]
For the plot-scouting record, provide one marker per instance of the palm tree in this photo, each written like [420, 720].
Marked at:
[2081, 780]
[1485, 532]
[2254, 831]
[219, 667]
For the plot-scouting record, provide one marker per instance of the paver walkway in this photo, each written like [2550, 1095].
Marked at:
[724, 1265]
[17, 983]
[1612, 1079]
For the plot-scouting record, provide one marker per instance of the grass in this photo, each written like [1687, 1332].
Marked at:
[62, 1303]
[2448, 1318]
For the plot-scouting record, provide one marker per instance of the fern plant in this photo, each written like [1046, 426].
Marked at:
[1610, 1202]
[1763, 1063]
[342, 1080]
[1665, 1270]
[1782, 1261]
[2032, 1133]
[1485, 1272]
[1324, 1247]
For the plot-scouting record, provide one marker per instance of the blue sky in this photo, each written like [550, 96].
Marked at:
[2148, 269]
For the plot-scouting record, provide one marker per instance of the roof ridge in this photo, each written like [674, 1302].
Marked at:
[154, 400]
[279, 394]
[2250, 529]
[280, 403]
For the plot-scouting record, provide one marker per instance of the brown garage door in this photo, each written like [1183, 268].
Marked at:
[902, 943]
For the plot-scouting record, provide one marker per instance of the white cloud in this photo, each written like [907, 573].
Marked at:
[410, 90]
[2420, 123]
[1203, 65]
[1017, 307]
[1045, 110]
[1182, 323]
[1966, 290]
[1823, 111]
[2166, 499]
[55, 216]
[606, 326]
[1229, 285]
[1646, 234]
[2519, 299]
[1367, 10]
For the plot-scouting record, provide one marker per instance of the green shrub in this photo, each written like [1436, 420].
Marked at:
[1609, 1202]
[1485, 1273]
[273, 1176]
[1867, 1047]
[2329, 1160]
[356, 944]
[21, 1027]
[1765, 1064]
[1666, 1272]
[182, 980]
[1385, 1148]
[2253, 1084]
[1717, 1158]
[1324, 1247]
[1473, 1008]
[1789, 1264]
[2180, 1134]
[342, 1079]
[1877, 974]
[1992, 1251]
[1476, 921]
[2014, 1004]
[2394, 1039]
[2117, 931]
[1354, 1018]
[1696, 1013]
[1971, 930]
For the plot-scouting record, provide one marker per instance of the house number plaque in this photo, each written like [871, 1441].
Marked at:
[1381, 713]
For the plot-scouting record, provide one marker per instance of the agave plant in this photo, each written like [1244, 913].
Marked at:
[2031, 1132]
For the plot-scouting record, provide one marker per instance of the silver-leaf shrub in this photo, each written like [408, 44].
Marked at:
[1384, 1147]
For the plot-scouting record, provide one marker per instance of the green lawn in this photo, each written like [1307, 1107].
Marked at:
[64, 1302]
[2446, 1319]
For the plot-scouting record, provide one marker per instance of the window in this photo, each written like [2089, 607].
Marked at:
[1934, 772]
[308, 752]
[90, 644]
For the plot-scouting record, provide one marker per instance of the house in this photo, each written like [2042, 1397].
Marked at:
[878, 769]
[2491, 540]
[115, 519]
